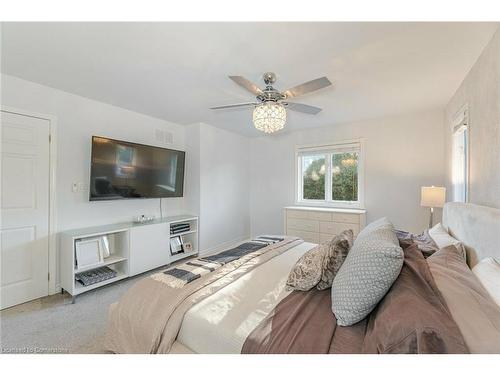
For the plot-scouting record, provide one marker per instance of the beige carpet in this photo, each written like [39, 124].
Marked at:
[54, 325]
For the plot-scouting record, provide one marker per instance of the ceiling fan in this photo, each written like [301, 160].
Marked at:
[269, 114]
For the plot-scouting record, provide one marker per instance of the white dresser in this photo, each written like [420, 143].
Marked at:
[317, 224]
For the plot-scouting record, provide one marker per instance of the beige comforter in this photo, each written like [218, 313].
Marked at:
[148, 317]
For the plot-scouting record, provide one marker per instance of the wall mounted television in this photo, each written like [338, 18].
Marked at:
[125, 170]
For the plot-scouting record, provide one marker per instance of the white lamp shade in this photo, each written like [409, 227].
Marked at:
[433, 196]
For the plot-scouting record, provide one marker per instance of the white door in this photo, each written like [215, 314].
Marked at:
[25, 208]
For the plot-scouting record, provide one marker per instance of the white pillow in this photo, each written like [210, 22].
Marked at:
[488, 272]
[442, 239]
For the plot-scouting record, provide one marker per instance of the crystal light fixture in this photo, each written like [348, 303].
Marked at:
[269, 117]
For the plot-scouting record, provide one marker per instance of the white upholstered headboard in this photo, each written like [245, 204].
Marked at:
[478, 227]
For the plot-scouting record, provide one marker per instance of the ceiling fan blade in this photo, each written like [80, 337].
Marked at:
[252, 87]
[299, 107]
[307, 87]
[237, 105]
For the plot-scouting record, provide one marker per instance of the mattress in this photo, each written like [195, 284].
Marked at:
[222, 322]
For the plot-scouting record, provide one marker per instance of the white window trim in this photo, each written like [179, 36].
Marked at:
[298, 182]
[460, 124]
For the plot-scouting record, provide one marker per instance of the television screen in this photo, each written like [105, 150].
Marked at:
[122, 169]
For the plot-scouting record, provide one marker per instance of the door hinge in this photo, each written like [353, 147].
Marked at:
[48, 276]
[50, 138]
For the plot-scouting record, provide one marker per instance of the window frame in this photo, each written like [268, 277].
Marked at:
[328, 149]
[461, 128]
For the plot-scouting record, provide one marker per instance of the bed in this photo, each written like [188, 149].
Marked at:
[219, 311]
[478, 227]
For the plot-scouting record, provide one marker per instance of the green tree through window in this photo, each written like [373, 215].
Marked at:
[345, 177]
[314, 177]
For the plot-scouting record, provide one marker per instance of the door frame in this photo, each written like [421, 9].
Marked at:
[52, 253]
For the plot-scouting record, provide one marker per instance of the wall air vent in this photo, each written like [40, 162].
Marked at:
[164, 136]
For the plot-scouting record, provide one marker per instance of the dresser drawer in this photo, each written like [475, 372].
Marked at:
[311, 215]
[321, 216]
[336, 228]
[325, 237]
[303, 224]
[306, 236]
[346, 218]
[298, 214]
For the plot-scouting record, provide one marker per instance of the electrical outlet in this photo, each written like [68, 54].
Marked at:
[77, 187]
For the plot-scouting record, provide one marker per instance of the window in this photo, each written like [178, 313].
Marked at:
[460, 157]
[330, 175]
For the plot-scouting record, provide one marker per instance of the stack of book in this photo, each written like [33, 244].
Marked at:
[95, 276]
[179, 228]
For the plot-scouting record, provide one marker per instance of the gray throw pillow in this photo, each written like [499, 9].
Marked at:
[382, 223]
[338, 248]
[370, 269]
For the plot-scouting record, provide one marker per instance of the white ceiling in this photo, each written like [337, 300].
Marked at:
[176, 71]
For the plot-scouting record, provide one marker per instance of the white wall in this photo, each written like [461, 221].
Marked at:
[401, 155]
[235, 184]
[480, 90]
[216, 178]
[192, 175]
[78, 119]
[221, 190]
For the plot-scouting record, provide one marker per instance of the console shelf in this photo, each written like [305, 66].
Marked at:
[82, 289]
[112, 259]
[183, 233]
[134, 249]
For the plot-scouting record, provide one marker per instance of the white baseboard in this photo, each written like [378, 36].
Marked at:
[56, 290]
[224, 246]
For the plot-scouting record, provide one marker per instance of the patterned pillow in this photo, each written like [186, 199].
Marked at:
[306, 273]
[370, 269]
[335, 256]
[424, 241]
[382, 223]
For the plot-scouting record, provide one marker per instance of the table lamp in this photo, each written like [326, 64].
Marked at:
[432, 196]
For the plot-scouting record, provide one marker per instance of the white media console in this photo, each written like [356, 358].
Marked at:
[133, 249]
